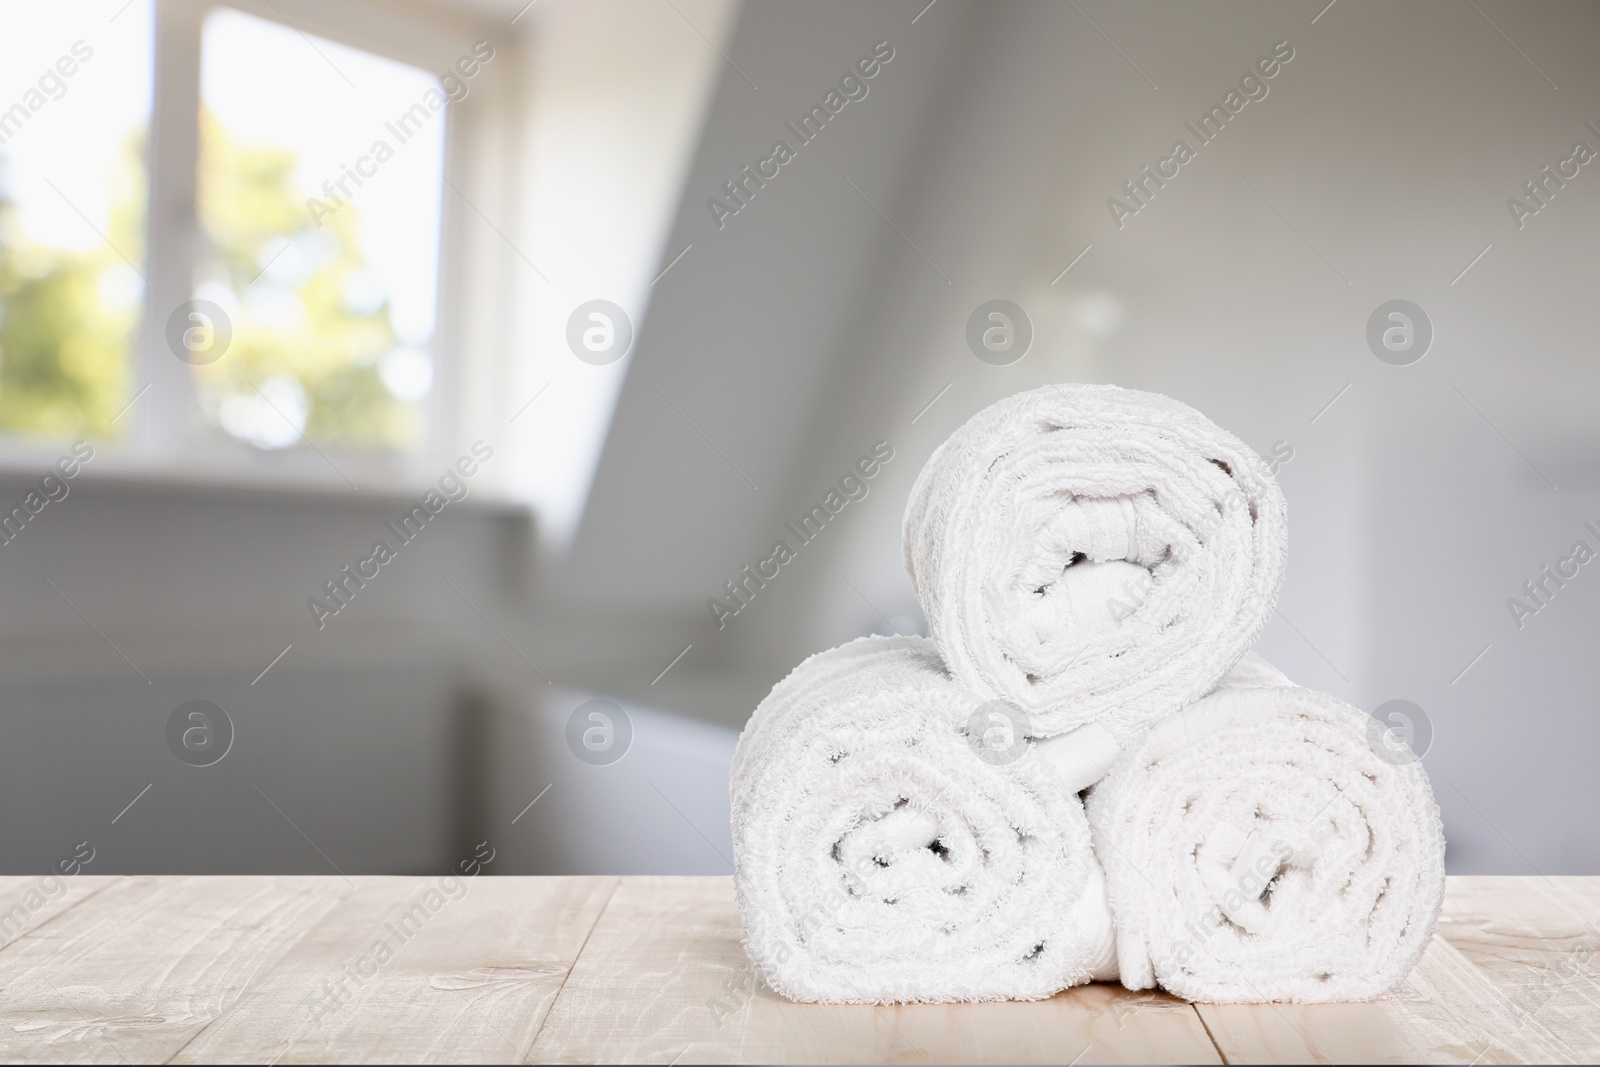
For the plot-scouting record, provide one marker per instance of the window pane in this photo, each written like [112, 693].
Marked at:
[321, 169]
[74, 111]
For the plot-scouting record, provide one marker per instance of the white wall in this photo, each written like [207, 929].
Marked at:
[1377, 167]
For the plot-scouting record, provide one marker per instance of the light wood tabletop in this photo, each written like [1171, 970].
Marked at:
[604, 969]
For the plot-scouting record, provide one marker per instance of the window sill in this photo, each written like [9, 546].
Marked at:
[109, 475]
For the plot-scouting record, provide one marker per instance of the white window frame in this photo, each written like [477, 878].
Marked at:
[164, 437]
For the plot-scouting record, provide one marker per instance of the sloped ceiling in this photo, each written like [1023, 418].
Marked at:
[747, 330]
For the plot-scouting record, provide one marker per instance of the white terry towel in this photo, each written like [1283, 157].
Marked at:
[1096, 555]
[1269, 843]
[880, 857]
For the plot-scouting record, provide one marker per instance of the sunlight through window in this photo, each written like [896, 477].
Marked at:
[74, 114]
[319, 207]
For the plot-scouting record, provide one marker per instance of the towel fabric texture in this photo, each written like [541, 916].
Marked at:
[881, 858]
[1266, 843]
[1094, 564]
[1094, 554]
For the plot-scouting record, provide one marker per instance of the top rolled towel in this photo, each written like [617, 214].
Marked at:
[1094, 554]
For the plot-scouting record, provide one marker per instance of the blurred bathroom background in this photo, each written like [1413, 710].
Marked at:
[273, 272]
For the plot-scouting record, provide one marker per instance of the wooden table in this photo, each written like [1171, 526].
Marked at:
[650, 970]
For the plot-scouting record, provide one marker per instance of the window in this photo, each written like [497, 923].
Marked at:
[207, 269]
[75, 94]
[277, 316]
[321, 252]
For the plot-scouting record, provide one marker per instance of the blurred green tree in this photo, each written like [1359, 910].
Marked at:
[68, 319]
[309, 314]
[304, 293]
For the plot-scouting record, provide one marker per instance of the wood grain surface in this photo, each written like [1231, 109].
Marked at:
[650, 970]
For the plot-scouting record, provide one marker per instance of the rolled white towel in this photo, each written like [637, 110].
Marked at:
[1096, 555]
[1269, 843]
[881, 856]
